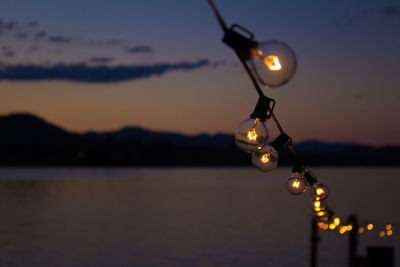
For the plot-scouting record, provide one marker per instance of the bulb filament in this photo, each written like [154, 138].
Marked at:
[296, 184]
[320, 191]
[265, 158]
[272, 62]
[252, 135]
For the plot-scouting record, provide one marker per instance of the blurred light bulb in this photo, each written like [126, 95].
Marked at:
[265, 159]
[370, 226]
[320, 191]
[296, 183]
[273, 63]
[389, 232]
[349, 227]
[343, 229]
[336, 221]
[251, 135]
[320, 213]
[332, 226]
[319, 205]
[388, 227]
[361, 230]
[381, 233]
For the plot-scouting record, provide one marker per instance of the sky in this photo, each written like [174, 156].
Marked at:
[161, 65]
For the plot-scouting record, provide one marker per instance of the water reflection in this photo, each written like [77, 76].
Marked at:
[180, 217]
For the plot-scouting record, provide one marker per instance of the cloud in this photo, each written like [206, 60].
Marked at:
[107, 42]
[40, 34]
[218, 63]
[9, 54]
[21, 35]
[94, 74]
[140, 49]
[391, 11]
[32, 24]
[7, 26]
[59, 39]
[100, 60]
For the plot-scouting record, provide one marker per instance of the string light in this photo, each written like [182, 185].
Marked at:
[272, 64]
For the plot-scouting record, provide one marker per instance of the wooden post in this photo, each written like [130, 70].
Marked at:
[314, 242]
[353, 242]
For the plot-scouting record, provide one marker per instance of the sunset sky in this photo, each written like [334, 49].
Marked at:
[186, 80]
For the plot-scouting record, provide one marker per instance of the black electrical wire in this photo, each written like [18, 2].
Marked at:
[261, 94]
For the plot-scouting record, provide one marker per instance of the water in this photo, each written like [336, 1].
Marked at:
[183, 216]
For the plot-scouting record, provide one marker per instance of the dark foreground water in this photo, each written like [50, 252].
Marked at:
[183, 217]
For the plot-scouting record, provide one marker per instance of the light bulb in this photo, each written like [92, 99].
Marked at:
[265, 159]
[319, 205]
[370, 226]
[251, 135]
[321, 213]
[296, 183]
[332, 226]
[336, 221]
[273, 63]
[343, 229]
[320, 192]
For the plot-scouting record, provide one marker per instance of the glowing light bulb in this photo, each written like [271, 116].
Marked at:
[296, 183]
[336, 221]
[370, 226]
[265, 159]
[321, 213]
[349, 227]
[388, 227]
[273, 63]
[389, 232]
[332, 226]
[251, 135]
[361, 230]
[320, 191]
[321, 225]
[381, 233]
[343, 229]
[319, 207]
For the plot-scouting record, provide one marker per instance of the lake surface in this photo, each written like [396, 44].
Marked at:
[184, 216]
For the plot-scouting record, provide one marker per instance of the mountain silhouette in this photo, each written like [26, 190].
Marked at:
[25, 129]
[27, 140]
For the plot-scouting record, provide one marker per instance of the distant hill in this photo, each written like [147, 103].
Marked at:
[22, 128]
[26, 140]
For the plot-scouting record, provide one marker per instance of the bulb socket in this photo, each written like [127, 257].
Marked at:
[311, 178]
[263, 109]
[298, 165]
[238, 42]
[280, 141]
